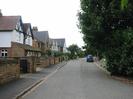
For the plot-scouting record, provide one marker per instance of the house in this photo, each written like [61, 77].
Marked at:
[43, 38]
[59, 45]
[15, 37]
[28, 35]
[28, 41]
[54, 45]
[11, 30]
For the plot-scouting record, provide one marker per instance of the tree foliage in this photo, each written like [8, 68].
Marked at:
[75, 51]
[106, 25]
[124, 4]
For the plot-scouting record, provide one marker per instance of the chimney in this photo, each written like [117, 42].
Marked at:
[0, 13]
[35, 29]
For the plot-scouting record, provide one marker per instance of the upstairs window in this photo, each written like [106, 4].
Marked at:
[4, 53]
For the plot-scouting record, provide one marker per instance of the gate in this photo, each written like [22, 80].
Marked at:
[24, 65]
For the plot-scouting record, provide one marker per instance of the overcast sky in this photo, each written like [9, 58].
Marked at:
[56, 16]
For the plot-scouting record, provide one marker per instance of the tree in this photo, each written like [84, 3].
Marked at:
[124, 4]
[74, 50]
[106, 26]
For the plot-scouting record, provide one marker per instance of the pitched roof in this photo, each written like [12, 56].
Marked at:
[41, 35]
[8, 22]
[60, 42]
[26, 26]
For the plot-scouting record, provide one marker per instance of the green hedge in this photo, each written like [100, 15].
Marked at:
[120, 58]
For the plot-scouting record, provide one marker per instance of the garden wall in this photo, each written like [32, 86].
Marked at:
[9, 72]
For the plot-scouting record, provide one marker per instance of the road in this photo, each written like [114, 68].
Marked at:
[81, 80]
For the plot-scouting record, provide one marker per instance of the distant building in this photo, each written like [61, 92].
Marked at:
[54, 45]
[43, 38]
[59, 45]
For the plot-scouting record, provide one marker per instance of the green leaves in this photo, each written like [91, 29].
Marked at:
[74, 51]
[107, 27]
[124, 4]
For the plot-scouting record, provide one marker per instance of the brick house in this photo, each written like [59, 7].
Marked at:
[28, 41]
[42, 39]
[11, 28]
[15, 37]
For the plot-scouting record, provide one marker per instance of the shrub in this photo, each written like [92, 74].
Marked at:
[120, 59]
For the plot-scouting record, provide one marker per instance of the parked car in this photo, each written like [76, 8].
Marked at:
[89, 58]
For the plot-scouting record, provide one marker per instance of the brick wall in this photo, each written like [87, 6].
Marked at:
[17, 51]
[57, 60]
[9, 72]
[32, 64]
[51, 59]
[45, 62]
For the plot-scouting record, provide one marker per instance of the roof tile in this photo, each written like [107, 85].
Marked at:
[8, 22]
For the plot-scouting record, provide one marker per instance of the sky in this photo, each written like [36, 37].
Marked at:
[58, 17]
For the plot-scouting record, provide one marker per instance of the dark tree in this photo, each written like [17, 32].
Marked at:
[74, 51]
[107, 26]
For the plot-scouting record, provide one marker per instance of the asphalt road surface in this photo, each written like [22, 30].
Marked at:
[81, 80]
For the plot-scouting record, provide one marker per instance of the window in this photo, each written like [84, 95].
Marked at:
[4, 53]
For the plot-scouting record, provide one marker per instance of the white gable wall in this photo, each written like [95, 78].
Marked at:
[64, 48]
[5, 39]
[29, 38]
[29, 41]
[55, 46]
[17, 37]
